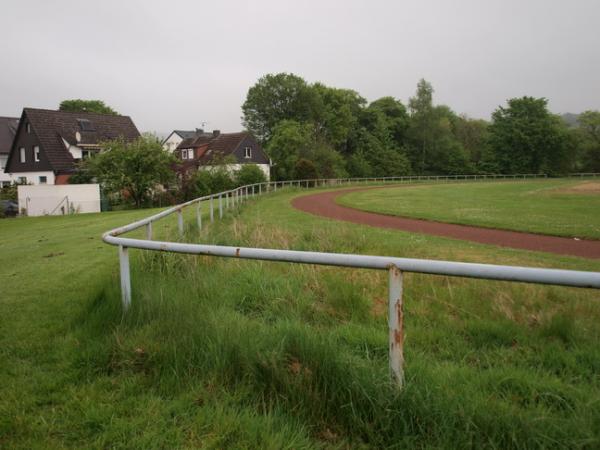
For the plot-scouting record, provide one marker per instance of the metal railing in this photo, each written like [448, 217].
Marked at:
[218, 204]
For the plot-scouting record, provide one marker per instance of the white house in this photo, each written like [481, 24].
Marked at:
[48, 144]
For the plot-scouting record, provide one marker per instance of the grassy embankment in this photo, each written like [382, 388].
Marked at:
[238, 354]
[560, 207]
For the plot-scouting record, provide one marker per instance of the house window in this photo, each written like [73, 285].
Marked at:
[5, 184]
[22, 180]
[190, 154]
[43, 180]
[28, 127]
[36, 153]
[247, 152]
[183, 154]
[22, 154]
[85, 154]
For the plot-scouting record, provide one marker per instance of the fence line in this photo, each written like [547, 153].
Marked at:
[395, 266]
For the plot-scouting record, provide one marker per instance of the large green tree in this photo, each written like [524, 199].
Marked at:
[589, 131]
[135, 167]
[92, 106]
[526, 138]
[275, 98]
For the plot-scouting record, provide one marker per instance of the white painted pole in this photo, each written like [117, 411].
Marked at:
[396, 325]
[180, 221]
[125, 278]
[199, 216]
[212, 210]
[149, 231]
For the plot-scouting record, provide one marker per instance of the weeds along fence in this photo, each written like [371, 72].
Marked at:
[218, 204]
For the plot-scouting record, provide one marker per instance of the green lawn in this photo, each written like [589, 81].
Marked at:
[557, 207]
[220, 353]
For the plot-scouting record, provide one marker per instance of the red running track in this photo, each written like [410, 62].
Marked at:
[323, 204]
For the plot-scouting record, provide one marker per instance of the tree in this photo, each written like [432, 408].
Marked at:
[291, 141]
[275, 98]
[473, 136]
[92, 106]
[249, 174]
[422, 120]
[589, 131]
[526, 138]
[335, 114]
[305, 170]
[394, 117]
[135, 167]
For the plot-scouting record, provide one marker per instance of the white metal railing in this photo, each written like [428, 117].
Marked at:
[218, 203]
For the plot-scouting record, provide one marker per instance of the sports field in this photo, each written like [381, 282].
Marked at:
[220, 353]
[555, 207]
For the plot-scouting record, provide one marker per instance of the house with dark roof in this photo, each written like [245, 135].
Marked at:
[206, 150]
[48, 144]
[174, 139]
[8, 128]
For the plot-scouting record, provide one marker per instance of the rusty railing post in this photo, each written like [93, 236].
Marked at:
[396, 325]
[125, 279]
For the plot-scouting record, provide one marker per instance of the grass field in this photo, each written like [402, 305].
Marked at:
[222, 353]
[556, 207]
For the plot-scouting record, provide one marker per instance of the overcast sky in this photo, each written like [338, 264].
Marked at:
[174, 64]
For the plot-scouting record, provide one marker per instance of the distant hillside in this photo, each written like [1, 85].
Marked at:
[570, 119]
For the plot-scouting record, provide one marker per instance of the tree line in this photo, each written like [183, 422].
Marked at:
[313, 130]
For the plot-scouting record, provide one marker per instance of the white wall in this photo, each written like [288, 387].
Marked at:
[171, 143]
[4, 177]
[235, 167]
[33, 177]
[59, 199]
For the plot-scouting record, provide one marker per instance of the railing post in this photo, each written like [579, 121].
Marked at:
[227, 200]
[212, 210]
[149, 231]
[396, 326]
[260, 189]
[199, 216]
[220, 206]
[125, 279]
[180, 221]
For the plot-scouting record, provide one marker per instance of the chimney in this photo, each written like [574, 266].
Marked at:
[216, 133]
[199, 131]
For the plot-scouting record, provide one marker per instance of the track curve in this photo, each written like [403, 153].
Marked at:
[323, 204]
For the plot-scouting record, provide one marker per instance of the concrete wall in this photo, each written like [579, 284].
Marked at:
[42, 200]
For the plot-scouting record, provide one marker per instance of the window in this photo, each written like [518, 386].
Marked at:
[5, 183]
[183, 154]
[85, 154]
[191, 153]
[36, 153]
[22, 153]
[247, 152]
[28, 127]
[22, 180]
[43, 180]
[85, 125]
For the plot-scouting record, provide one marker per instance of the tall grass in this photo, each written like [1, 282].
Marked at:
[256, 354]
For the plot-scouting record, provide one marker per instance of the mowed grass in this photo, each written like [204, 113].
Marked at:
[561, 207]
[225, 353]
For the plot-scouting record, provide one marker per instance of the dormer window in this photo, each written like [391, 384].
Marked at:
[248, 152]
[22, 154]
[85, 125]
[36, 153]
[28, 127]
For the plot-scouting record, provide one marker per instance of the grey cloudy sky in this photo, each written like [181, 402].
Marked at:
[172, 64]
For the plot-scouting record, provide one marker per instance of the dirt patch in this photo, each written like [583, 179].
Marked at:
[588, 187]
[323, 204]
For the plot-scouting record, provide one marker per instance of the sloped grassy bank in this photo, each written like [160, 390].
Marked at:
[230, 353]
